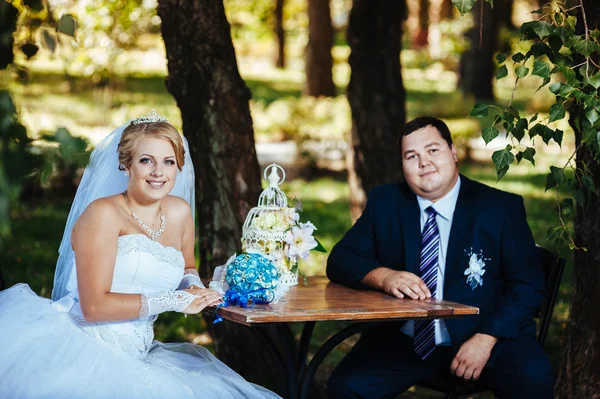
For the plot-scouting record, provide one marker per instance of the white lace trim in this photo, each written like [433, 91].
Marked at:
[141, 242]
[137, 344]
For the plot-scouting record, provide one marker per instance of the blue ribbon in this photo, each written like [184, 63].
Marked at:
[246, 299]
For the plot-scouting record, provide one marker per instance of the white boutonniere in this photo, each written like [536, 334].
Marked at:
[476, 268]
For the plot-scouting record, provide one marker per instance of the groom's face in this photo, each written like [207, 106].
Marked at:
[429, 164]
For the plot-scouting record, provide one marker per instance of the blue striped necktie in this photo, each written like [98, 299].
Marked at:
[424, 334]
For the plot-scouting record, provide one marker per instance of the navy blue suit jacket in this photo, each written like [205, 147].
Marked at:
[485, 219]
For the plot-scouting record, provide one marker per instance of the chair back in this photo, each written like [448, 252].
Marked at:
[554, 267]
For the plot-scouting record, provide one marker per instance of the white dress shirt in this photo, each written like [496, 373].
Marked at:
[445, 212]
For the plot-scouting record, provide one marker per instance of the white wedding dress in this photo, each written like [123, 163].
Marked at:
[48, 350]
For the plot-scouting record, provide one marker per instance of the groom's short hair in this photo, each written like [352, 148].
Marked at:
[424, 121]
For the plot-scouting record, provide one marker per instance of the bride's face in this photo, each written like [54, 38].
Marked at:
[153, 169]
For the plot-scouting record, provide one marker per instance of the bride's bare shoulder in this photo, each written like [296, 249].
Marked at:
[102, 209]
[177, 207]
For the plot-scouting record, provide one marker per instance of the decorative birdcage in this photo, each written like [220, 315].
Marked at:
[268, 225]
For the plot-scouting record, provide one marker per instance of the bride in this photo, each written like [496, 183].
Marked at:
[127, 255]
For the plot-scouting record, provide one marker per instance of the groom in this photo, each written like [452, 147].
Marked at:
[441, 235]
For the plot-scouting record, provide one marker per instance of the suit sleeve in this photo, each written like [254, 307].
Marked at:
[523, 278]
[354, 256]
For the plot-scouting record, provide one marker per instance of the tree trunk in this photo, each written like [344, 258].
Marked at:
[319, 62]
[376, 96]
[477, 63]
[279, 34]
[579, 373]
[213, 99]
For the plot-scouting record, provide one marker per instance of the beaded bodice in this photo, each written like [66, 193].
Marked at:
[142, 266]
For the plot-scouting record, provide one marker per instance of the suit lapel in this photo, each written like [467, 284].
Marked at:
[411, 229]
[459, 239]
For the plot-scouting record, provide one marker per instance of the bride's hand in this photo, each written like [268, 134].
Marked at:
[205, 298]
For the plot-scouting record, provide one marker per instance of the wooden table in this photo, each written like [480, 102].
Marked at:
[322, 300]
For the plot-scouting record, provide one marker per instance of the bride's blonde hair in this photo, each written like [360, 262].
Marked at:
[160, 130]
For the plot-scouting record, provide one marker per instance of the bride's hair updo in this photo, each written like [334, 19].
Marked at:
[160, 130]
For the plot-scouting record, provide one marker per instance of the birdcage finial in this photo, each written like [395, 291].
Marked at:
[273, 176]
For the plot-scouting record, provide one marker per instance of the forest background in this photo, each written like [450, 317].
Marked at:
[82, 68]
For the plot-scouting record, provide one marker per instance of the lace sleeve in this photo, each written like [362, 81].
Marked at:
[165, 301]
[190, 278]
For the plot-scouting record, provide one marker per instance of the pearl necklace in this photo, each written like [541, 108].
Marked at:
[151, 233]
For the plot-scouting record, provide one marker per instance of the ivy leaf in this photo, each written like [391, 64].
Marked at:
[594, 80]
[566, 90]
[480, 110]
[319, 247]
[541, 69]
[501, 57]
[464, 6]
[519, 130]
[555, 87]
[518, 57]
[555, 42]
[571, 22]
[489, 134]
[544, 83]
[592, 116]
[534, 117]
[35, 5]
[540, 48]
[542, 28]
[527, 31]
[29, 49]
[538, 11]
[562, 33]
[588, 183]
[66, 24]
[522, 71]
[519, 156]
[570, 75]
[558, 136]
[49, 41]
[557, 112]
[554, 178]
[585, 47]
[501, 72]
[502, 159]
[566, 207]
[529, 155]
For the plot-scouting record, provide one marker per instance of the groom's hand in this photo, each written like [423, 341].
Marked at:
[397, 283]
[472, 357]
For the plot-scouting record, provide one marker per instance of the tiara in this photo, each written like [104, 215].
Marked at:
[151, 117]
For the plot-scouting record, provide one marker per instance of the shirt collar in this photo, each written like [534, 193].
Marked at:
[444, 206]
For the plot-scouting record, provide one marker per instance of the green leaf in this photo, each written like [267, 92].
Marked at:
[542, 28]
[558, 174]
[555, 87]
[29, 49]
[491, 2]
[464, 6]
[538, 11]
[479, 110]
[522, 71]
[566, 207]
[503, 158]
[558, 136]
[518, 57]
[541, 69]
[571, 22]
[555, 42]
[489, 134]
[519, 130]
[586, 47]
[540, 48]
[529, 155]
[594, 80]
[49, 41]
[66, 25]
[501, 72]
[544, 83]
[588, 182]
[534, 117]
[35, 5]
[557, 112]
[527, 32]
[570, 75]
[563, 34]
[566, 90]
[592, 116]
[550, 182]
[501, 57]
[319, 247]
